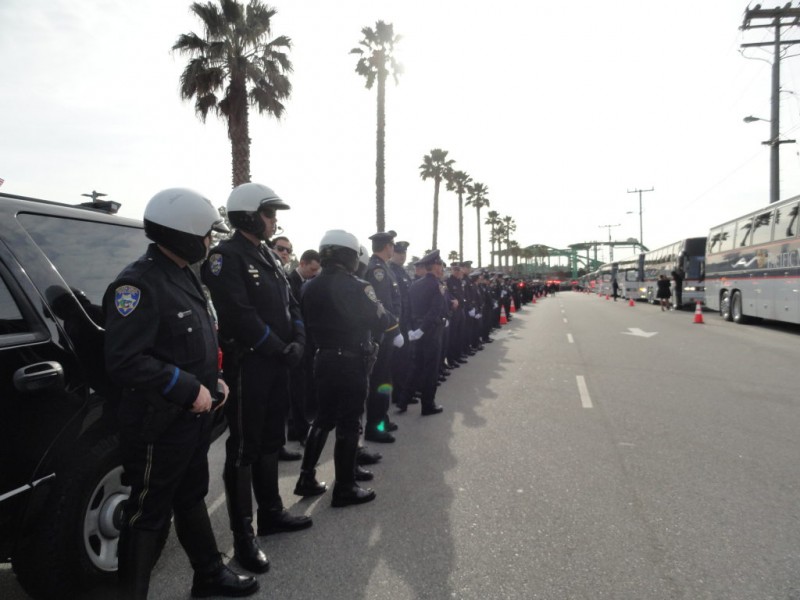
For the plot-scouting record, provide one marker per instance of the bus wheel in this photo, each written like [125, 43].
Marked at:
[736, 309]
[725, 306]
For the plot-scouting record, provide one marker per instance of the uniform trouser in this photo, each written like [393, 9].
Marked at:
[380, 386]
[342, 383]
[427, 350]
[455, 344]
[401, 367]
[297, 422]
[256, 408]
[168, 474]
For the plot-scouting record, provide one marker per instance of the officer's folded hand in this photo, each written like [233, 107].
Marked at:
[398, 341]
[222, 394]
[203, 401]
[293, 354]
[415, 334]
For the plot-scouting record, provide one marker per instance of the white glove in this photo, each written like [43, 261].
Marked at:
[398, 341]
[471, 313]
[503, 294]
[494, 305]
[415, 334]
[447, 322]
[478, 316]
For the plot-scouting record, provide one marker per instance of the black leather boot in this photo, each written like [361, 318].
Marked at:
[363, 474]
[272, 516]
[216, 579]
[365, 457]
[307, 484]
[239, 496]
[138, 553]
[346, 491]
[211, 576]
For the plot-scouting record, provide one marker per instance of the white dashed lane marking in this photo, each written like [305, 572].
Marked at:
[586, 400]
[569, 338]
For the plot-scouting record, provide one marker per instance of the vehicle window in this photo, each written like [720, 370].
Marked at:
[88, 255]
[762, 228]
[744, 229]
[786, 221]
[11, 319]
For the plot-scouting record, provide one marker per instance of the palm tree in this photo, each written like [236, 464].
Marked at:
[514, 251]
[509, 227]
[453, 256]
[236, 60]
[478, 197]
[436, 166]
[492, 220]
[376, 63]
[459, 182]
[499, 238]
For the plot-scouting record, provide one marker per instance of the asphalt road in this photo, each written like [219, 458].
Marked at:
[574, 460]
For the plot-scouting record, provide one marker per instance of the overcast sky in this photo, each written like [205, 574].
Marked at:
[558, 107]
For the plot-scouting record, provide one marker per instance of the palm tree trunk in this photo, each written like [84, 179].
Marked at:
[460, 227]
[380, 180]
[437, 181]
[479, 236]
[239, 134]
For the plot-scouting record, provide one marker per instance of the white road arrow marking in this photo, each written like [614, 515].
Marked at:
[639, 333]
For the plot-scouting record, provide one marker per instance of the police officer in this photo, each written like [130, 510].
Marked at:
[345, 318]
[262, 335]
[427, 307]
[380, 386]
[455, 286]
[401, 362]
[161, 349]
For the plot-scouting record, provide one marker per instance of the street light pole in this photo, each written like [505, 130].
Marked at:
[637, 191]
[610, 246]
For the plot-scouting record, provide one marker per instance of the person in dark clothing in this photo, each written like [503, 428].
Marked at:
[427, 308]
[402, 361]
[161, 349]
[380, 276]
[301, 381]
[262, 336]
[678, 275]
[614, 288]
[345, 318]
[663, 294]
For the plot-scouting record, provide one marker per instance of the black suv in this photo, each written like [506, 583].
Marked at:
[61, 483]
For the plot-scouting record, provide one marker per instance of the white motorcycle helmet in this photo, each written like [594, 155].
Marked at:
[340, 247]
[245, 202]
[179, 219]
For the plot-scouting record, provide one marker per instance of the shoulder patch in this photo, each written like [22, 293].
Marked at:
[370, 292]
[379, 274]
[215, 264]
[126, 299]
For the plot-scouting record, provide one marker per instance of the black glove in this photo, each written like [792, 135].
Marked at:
[293, 354]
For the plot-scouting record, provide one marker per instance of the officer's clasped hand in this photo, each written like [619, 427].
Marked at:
[202, 403]
[398, 341]
[415, 334]
[221, 395]
[293, 354]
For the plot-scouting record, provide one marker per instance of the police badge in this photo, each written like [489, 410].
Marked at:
[126, 299]
[215, 263]
[379, 274]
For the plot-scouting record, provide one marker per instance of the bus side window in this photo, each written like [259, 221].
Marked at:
[785, 222]
[744, 229]
[761, 232]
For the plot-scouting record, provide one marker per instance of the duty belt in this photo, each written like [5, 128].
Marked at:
[339, 351]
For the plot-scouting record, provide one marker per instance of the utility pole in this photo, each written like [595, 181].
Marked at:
[640, 192]
[773, 17]
[610, 246]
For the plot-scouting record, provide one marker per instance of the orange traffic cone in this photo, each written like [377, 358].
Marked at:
[503, 319]
[630, 302]
[606, 296]
[698, 313]
[534, 300]
[513, 308]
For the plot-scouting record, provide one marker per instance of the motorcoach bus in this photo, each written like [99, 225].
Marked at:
[687, 253]
[630, 277]
[753, 265]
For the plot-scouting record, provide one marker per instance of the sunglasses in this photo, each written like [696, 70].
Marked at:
[279, 248]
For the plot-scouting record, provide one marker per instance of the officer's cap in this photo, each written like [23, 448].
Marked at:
[429, 259]
[467, 264]
[475, 274]
[455, 265]
[401, 247]
[383, 236]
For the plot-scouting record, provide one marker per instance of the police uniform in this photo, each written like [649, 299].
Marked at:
[383, 281]
[402, 360]
[258, 319]
[427, 306]
[455, 286]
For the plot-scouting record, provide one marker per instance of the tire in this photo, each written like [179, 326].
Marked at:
[725, 306]
[73, 544]
[736, 309]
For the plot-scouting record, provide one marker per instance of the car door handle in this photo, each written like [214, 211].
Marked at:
[38, 376]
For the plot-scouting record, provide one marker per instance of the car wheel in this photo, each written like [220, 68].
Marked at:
[74, 542]
[736, 309]
[725, 306]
